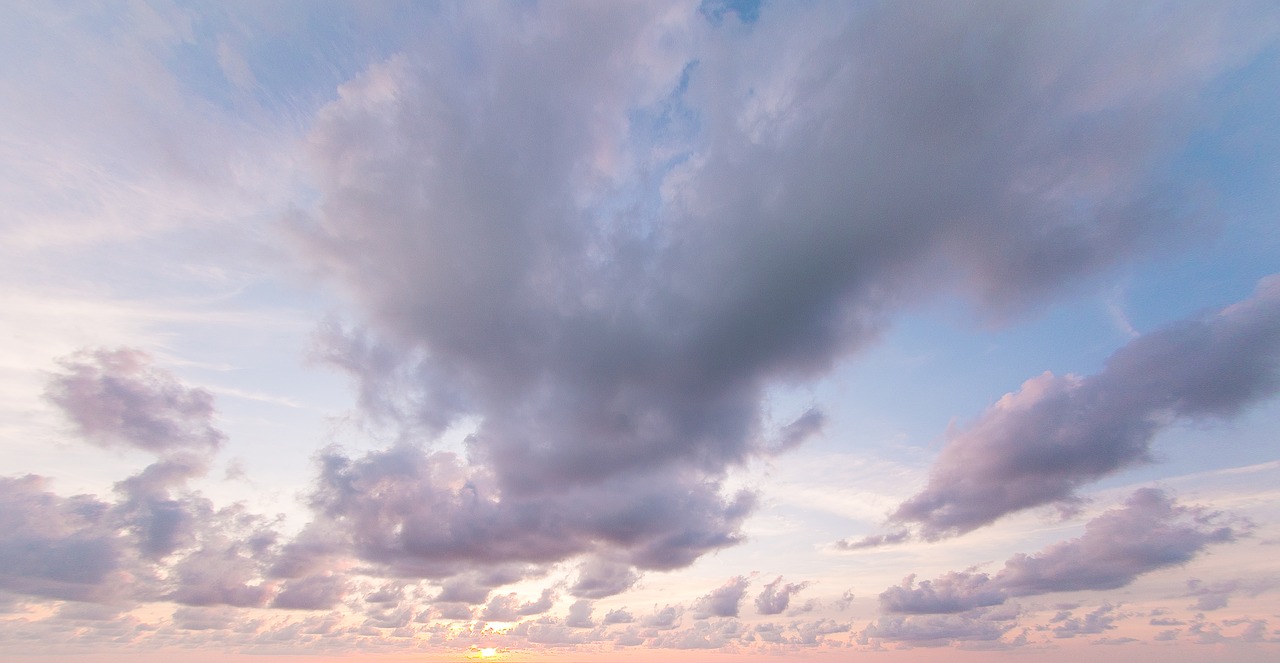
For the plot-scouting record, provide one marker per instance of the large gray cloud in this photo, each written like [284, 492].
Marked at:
[1055, 434]
[1151, 531]
[604, 239]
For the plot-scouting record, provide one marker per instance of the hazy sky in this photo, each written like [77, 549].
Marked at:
[572, 331]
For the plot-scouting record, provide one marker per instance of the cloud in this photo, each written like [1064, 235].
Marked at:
[162, 523]
[158, 540]
[722, 601]
[1096, 621]
[776, 596]
[935, 630]
[509, 608]
[1149, 532]
[318, 592]
[117, 398]
[600, 577]
[951, 593]
[580, 614]
[428, 514]
[665, 619]
[874, 540]
[479, 209]
[56, 547]
[618, 616]
[1037, 446]
[1215, 595]
[226, 566]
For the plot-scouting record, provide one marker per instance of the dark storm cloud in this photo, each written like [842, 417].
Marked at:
[615, 341]
[776, 596]
[118, 398]
[1151, 531]
[1038, 445]
[722, 601]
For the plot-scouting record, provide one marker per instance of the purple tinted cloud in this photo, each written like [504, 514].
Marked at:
[427, 514]
[1094, 622]
[722, 601]
[158, 540]
[776, 596]
[1038, 445]
[469, 209]
[319, 592]
[1215, 595]
[118, 398]
[935, 630]
[1151, 531]
[63, 548]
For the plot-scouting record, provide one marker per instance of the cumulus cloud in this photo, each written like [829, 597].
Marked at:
[935, 630]
[1215, 595]
[580, 614]
[1151, 531]
[428, 514]
[1038, 445]
[619, 353]
[618, 616]
[56, 547]
[722, 601]
[157, 540]
[119, 398]
[1096, 621]
[599, 577]
[509, 607]
[318, 592]
[776, 596]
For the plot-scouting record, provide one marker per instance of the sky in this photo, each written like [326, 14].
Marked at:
[606, 331]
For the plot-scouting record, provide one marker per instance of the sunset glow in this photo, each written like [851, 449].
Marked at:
[704, 331]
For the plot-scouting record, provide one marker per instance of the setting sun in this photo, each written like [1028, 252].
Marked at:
[483, 653]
